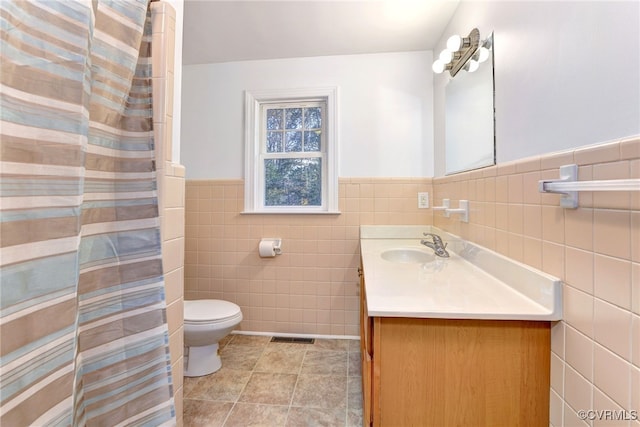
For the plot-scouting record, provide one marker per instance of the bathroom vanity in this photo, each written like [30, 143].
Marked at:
[455, 341]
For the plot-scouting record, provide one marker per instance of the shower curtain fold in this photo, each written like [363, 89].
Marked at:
[83, 331]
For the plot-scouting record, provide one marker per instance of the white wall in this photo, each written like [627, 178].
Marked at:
[385, 109]
[567, 74]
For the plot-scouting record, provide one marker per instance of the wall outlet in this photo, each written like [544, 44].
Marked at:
[423, 200]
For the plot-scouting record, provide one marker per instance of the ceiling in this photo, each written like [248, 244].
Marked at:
[224, 31]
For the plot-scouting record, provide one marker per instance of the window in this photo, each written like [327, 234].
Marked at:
[291, 153]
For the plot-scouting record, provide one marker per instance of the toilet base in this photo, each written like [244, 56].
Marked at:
[203, 360]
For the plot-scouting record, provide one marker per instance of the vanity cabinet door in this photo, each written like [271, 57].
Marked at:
[466, 372]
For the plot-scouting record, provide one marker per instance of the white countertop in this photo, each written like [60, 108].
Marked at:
[467, 285]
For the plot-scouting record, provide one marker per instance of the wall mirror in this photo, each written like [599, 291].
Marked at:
[469, 114]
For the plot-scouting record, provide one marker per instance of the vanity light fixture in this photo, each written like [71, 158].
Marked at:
[463, 53]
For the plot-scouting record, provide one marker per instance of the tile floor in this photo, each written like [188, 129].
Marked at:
[278, 384]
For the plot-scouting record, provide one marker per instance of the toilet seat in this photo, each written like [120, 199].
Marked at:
[209, 311]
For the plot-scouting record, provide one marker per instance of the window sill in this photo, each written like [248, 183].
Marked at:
[290, 213]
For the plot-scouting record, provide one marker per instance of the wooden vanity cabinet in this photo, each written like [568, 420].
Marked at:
[451, 372]
[365, 353]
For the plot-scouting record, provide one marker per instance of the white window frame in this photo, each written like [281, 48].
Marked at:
[253, 169]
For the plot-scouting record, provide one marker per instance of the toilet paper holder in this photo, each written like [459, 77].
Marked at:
[273, 243]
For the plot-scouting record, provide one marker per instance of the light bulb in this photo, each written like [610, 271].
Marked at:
[483, 54]
[438, 67]
[472, 65]
[454, 43]
[445, 56]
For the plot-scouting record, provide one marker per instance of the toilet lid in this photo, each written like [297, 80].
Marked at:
[204, 310]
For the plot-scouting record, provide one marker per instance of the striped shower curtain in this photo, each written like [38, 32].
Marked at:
[83, 333]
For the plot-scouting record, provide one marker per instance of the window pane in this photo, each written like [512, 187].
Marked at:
[312, 140]
[274, 142]
[294, 141]
[313, 118]
[294, 118]
[293, 182]
[274, 119]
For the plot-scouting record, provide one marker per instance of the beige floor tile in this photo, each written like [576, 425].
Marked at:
[188, 384]
[320, 391]
[316, 417]
[354, 401]
[253, 340]
[290, 345]
[248, 414]
[240, 357]
[269, 388]
[355, 365]
[354, 417]
[331, 344]
[325, 363]
[224, 341]
[223, 385]
[281, 359]
[354, 393]
[199, 413]
[273, 384]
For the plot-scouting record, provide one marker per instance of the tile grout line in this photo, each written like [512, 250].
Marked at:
[236, 399]
[243, 388]
[295, 386]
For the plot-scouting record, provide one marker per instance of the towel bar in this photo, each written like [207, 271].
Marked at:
[568, 186]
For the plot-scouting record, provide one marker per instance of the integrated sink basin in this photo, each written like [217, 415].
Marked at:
[406, 279]
[407, 255]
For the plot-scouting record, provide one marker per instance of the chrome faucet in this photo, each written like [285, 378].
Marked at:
[438, 247]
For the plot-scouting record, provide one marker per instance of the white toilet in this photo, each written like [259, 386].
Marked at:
[206, 322]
